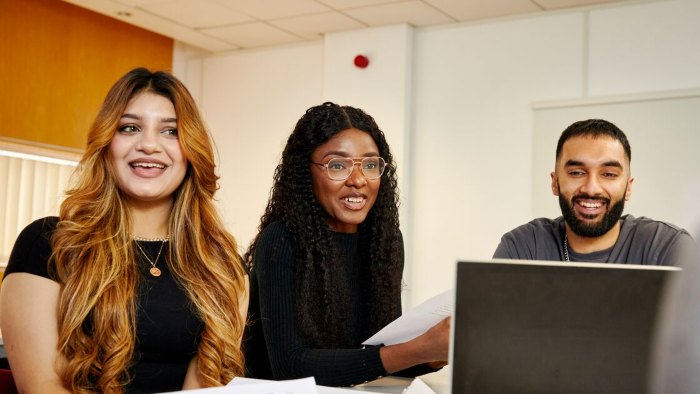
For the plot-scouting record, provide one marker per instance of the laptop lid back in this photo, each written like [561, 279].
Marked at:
[550, 327]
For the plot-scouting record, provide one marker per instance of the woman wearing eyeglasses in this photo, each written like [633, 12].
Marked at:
[326, 267]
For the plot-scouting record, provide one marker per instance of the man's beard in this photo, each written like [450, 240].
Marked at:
[583, 229]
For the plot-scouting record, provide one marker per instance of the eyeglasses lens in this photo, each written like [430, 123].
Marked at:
[341, 168]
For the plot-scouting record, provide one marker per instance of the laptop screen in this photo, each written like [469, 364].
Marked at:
[551, 327]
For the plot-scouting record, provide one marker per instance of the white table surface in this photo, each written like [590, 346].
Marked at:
[438, 381]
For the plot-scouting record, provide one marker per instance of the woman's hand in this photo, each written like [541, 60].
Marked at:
[437, 342]
[431, 347]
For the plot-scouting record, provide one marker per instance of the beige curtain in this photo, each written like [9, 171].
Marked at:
[29, 190]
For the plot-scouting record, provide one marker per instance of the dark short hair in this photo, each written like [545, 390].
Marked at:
[594, 128]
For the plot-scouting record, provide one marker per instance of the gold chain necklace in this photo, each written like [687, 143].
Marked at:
[137, 238]
[155, 271]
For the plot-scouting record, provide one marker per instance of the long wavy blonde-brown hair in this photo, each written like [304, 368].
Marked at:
[94, 260]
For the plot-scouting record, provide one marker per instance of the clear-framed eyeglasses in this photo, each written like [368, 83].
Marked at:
[340, 168]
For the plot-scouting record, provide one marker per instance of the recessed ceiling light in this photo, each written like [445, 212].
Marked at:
[124, 13]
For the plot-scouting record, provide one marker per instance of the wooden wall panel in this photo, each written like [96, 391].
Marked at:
[57, 62]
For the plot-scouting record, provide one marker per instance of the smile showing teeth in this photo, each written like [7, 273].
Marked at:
[148, 165]
[591, 205]
[354, 200]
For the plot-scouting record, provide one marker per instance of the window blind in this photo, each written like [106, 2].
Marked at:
[31, 187]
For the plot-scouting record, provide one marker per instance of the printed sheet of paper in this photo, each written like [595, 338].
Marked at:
[241, 385]
[210, 390]
[340, 390]
[260, 386]
[416, 321]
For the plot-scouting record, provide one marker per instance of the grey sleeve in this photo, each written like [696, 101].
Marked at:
[536, 240]
[681, 250]
[507, 248]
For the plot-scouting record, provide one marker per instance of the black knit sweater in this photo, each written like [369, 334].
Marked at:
[274, 349]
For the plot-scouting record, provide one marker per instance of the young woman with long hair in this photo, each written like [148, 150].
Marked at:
[327, 264]
[136, 286]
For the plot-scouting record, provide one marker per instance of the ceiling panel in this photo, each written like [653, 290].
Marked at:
[275, 9]
[345, 4]
[197, 14]
[224, 25]
[415, 13]
[465, 10]
[314, 26]
[555, 4]
[249, 35]
[140, 3]
[154, 23]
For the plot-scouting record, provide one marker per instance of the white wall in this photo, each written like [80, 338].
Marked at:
[473, 139]
[466, 131]
[645, 47]
[251, 102]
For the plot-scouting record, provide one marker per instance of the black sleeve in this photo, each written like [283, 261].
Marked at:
[32, 249]
[289, 357]
[416, 370]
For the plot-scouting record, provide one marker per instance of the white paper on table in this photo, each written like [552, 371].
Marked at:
[261, 386]
[320, 389]
[210, 390]
[341, 390]
[418, 386]
[416, 320]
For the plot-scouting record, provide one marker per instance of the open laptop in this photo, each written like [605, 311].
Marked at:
[552, 327]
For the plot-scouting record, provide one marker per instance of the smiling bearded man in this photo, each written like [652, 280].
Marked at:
[580, 227]
[592, 180]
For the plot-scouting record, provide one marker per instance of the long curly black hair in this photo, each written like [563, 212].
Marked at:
[323, 308]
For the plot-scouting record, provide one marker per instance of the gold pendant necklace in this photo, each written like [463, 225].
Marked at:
[154, 271]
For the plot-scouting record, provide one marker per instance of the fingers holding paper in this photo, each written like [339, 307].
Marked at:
[431, 347]
[437, 343]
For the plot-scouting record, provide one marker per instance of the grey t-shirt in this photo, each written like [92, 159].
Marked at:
[641, 241]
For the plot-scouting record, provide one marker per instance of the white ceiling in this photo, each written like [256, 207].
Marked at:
[225, 25]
